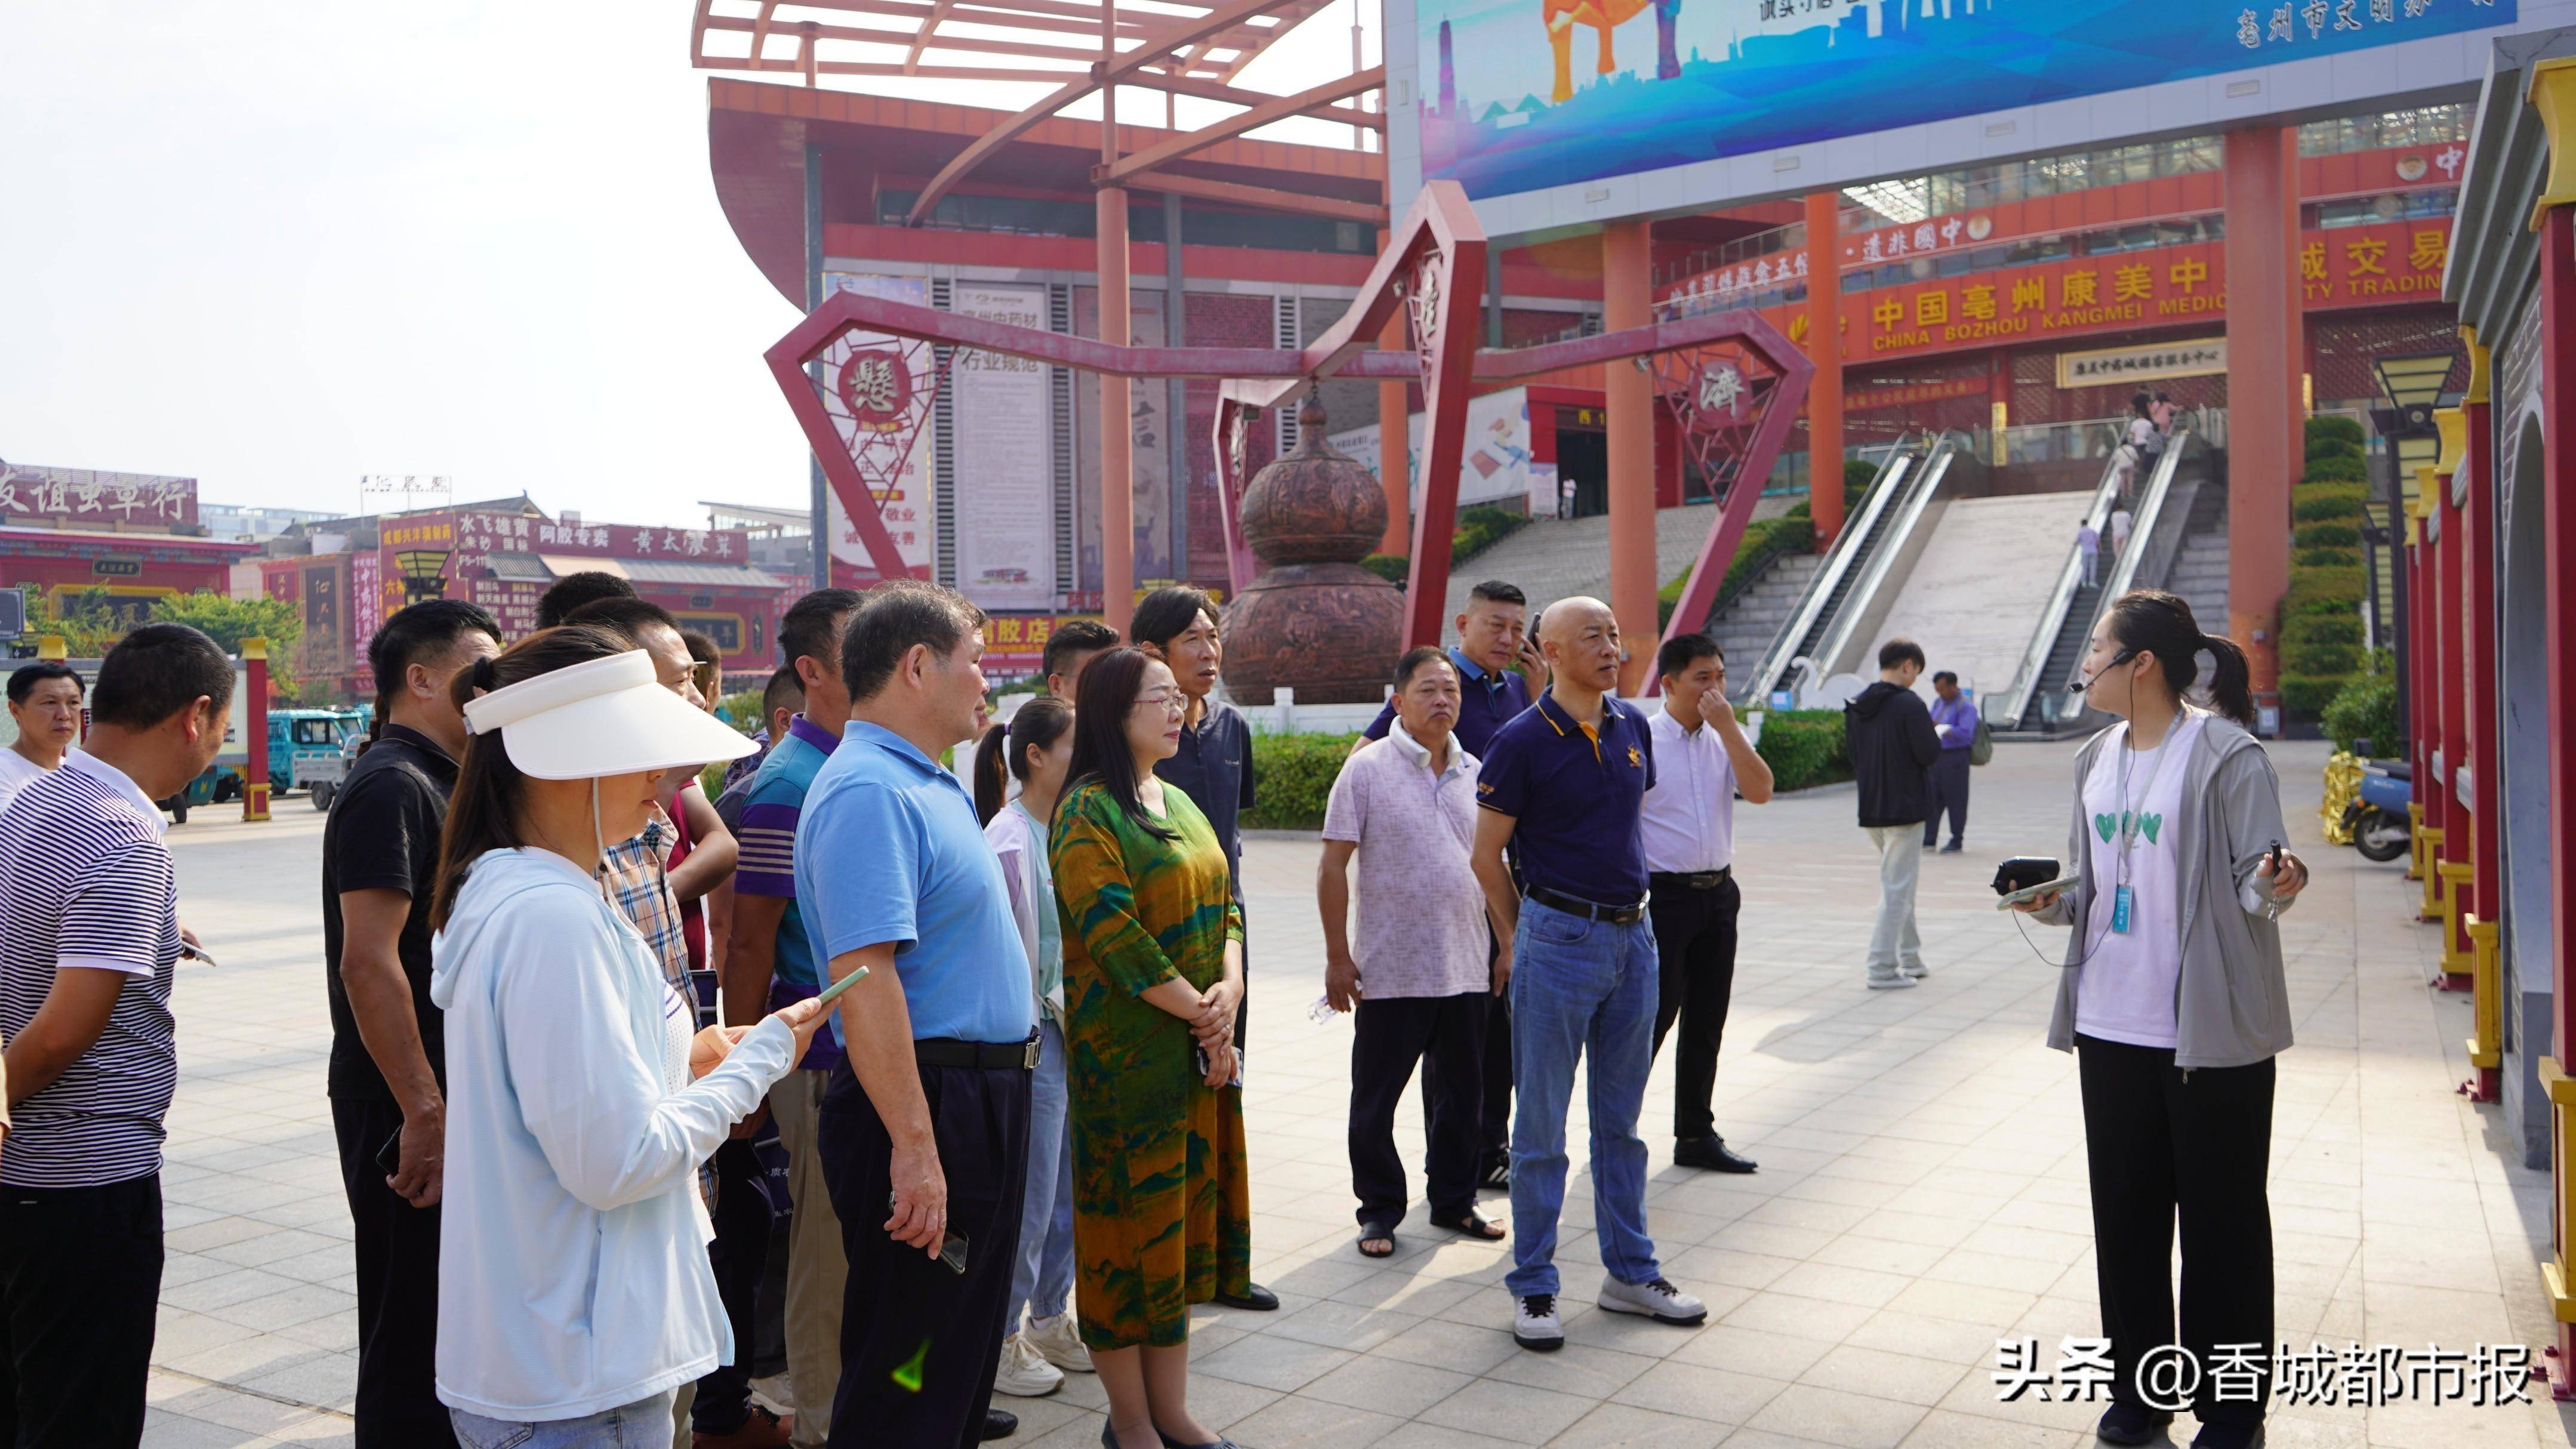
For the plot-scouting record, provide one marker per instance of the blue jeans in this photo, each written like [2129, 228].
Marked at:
[1042, 1281]
[644, 1424]
[1579, 984]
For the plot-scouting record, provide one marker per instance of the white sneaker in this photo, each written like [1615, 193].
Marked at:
[1060, 1341]
[1024, 1373]
[1915, 969]
[1889, 981]
[1535, 1325]
[1657, 1299]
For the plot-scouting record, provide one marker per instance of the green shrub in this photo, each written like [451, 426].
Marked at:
[2321, 629]
[1295, 775]
[2330, 590]
[1764, 539]
[1388, 566]
[2329, 503]
[1798, 509]
[2324, 557]
[2365, 708]
[1479, 529]
[2327, 470]
[2333, 428]
[2322, 659]
[2308, 694]
[2327, 535]
[1804, 748]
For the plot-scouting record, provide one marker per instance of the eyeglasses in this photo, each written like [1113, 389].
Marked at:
[1169, 701]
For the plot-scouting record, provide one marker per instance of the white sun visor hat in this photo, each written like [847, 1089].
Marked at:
[607, 716]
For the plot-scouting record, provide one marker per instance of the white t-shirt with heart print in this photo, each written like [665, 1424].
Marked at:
[2126, 990]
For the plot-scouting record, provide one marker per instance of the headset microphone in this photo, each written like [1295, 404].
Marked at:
[2078, 686]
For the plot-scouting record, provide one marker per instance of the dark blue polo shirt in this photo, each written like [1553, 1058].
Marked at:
[1577, 798]
[1487, 697]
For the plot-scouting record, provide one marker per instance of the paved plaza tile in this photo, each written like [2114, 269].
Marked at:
[1922, 1190]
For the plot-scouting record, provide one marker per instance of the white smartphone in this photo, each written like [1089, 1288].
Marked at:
[2032, 893]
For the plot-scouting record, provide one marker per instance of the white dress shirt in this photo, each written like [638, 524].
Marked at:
[1688, 819]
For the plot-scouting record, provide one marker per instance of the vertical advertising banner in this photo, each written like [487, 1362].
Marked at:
[366, 599]
[1005, 482]
[905, 502]
[1150, 478]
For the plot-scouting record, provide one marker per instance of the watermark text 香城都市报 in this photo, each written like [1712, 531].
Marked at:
[2170, 1377]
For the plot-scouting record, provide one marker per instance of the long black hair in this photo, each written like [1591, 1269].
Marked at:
[483, 811]
[418, 634]
[1101, 753]
[1037, 725]
[2151, 621]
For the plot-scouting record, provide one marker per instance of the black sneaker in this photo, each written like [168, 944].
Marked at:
[2228, 1436]
[2131, 1424]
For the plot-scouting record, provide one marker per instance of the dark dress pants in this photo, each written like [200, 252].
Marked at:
[2162, 1143]
[1695, 981]
[919, 1340]
[80, 1289]
[1446, 1034]
[1949, 791]
[740, 1257]
[1494, 1106]
[397, 1257]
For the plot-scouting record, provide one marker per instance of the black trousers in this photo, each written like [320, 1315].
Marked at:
[80, 1286]
[1494, 1109]
[740, 1257]
[1446, 1034]
[1948, 784]
[397, 1251]
[919, 1341]
[1695, 980]
[2161, 1142]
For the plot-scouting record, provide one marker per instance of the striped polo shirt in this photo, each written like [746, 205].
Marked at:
[86, 883]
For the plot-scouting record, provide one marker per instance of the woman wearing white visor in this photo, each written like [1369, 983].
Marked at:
[574, 1297]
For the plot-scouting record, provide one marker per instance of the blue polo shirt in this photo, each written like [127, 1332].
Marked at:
[888, 849]
[1486, 698]
[1577, 798]
[767, 809]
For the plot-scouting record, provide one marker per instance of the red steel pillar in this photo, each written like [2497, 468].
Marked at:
[2553, 93]
[1825, 350]
[2263, 448]
[254, 653]
[2450, 699]
[1628, 397]
[2423, 717]
[1117, 422]
[2481, 749]
[1394, 445]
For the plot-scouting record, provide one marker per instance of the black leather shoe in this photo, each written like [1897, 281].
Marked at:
[1710, 1153]
[2131, 1424]
[1256, 1298]
[999, 1425]
[2228, 1436]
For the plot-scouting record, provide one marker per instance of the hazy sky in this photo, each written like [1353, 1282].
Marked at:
[279, 246]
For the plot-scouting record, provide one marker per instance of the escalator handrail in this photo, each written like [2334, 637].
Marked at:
[1784, 646]
[2142, 532]
[2016, 697]
[1917, 497]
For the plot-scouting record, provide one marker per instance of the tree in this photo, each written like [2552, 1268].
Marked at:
[91, 620]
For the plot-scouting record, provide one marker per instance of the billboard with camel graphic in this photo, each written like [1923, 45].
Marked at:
[1523, 98]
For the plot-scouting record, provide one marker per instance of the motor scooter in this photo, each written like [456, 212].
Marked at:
[2378, 818]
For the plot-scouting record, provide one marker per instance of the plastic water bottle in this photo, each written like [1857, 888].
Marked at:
[1322, 1011]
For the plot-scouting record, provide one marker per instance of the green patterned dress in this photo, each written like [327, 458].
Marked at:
[1162, 1204]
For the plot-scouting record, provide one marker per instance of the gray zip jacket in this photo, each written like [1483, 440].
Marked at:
[2231, 1003]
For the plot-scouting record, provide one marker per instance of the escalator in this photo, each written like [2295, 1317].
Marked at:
[1859, 606]
[1844, 565]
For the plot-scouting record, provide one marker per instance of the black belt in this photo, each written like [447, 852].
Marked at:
[1696, 880]
[1577, 906]
[944, 1051]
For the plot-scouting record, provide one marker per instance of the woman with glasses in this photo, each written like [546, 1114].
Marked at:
[1153, 976]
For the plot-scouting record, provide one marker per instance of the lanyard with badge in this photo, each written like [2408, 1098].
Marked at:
[2123, 901]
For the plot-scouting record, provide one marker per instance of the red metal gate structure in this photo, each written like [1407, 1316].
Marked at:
[1733, 381]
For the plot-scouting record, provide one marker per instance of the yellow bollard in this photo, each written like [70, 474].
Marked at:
[2430, 840]
[2486, 1011]
[2414, 840]
[2456, 876]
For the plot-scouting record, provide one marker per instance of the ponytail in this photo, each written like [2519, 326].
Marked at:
[2231, 683]
[988, 773]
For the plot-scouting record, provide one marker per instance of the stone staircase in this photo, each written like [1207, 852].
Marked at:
[2200, 568]
[1745, 625]
[1551, 559]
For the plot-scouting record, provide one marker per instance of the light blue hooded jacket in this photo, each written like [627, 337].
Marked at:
[573, 1272]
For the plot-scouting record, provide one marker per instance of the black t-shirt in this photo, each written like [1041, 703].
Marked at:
[383, 835]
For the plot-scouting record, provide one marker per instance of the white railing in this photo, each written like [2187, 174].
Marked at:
[1838, 561]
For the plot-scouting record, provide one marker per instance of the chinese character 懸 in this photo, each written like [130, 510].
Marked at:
[2131, 281]
[2249, 29]
[872, 386]
[1977, 303]
[2365, 255]
[2314, 12]
[2281, 23]
[2312, 262]
[1887, 312]
[2076, 289]
[2432, 249]
[2188, 273]
[1931, 308]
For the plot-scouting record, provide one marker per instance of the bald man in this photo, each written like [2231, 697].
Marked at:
[1566, 779]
